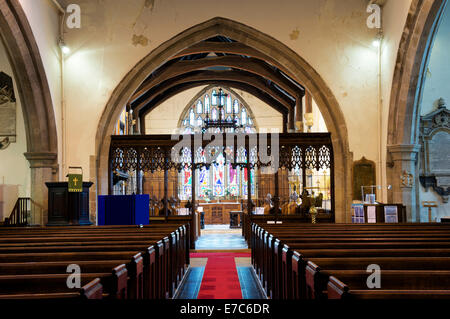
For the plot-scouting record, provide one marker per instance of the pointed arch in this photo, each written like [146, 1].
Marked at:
[279, 53]
[412, 61]
[34, 92]
[406, 95]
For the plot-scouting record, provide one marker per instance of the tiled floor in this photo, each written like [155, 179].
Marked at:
[220, 237]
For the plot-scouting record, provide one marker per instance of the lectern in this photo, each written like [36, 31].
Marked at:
[68, 208]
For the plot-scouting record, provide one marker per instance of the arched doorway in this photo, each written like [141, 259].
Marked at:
[34, 92]
[404, 112]
[255, 44]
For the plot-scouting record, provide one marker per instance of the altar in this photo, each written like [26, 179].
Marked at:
[218, 213]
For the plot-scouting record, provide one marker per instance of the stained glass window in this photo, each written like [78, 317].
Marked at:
[187, 181]
[219, 177]
[207, 104]
[203, 180]
[219, 180]
[229, 109]
[233, 181]
[199, 107]
[192, 118]
[245, 181]
[214, 97]
[236, 106]
[244, 117]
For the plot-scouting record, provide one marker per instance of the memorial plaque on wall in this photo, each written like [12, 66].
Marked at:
[435, 151]
[363, 175]
[440, 153]
[7, 110]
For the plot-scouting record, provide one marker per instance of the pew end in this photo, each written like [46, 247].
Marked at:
[315, 281]
[93, 290]
[337, 289]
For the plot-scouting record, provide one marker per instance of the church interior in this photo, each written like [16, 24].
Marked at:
[285, 150]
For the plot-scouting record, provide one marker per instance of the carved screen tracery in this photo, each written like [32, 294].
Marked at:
[305, 163]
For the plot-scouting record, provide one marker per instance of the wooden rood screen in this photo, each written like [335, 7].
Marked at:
[150, 153]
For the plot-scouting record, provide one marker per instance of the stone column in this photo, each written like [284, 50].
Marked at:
[402, 177]
[44, 168]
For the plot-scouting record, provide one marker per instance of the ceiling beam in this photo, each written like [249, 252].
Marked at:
[198, 76]
[232, 48]
[174, 90]
[250, 65]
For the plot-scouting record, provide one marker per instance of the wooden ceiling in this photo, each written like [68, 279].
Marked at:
[223, 62]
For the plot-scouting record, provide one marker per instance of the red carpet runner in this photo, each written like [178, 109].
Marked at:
[220, 279]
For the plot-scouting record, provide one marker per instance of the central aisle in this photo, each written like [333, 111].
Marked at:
[220, 278]
[221, 267]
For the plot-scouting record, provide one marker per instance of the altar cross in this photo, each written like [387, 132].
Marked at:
[220, 95]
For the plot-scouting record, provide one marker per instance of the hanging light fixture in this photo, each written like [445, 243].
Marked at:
[377, 41]
[221, 123]
[64, 48]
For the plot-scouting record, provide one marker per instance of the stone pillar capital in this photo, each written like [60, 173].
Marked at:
[404, 152]
[42, 160]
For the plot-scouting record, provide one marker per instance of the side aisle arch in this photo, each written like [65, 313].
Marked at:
[404, 111]
[34, 92]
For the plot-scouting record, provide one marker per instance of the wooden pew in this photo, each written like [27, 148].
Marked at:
[268, 247]
[338, 290]
[58, 242]
[92, 290]
[134, 270]
[176, 245]
[115, 283]
[179, 244]
[139, 278]
[317, 279]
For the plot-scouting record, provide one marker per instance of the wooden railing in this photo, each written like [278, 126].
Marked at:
[19, 213]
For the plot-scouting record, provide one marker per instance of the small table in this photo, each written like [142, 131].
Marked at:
[236, 219]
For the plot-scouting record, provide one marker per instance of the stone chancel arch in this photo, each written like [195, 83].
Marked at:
[252, 43]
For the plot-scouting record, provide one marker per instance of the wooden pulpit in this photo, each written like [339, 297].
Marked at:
[68, 208]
